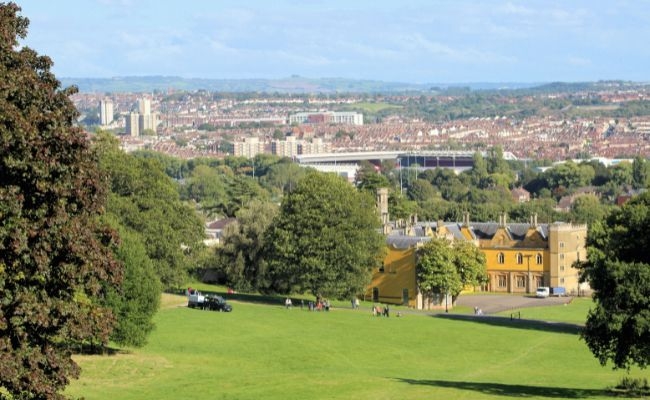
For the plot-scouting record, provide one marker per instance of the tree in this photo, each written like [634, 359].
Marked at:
[436, 272]
[618, 270]
[145, 200]
[136, 302]
[471, 265]
[368, 177]
[479, 171]
[325, 240]
[240, 257]
[640, 173]
[445, 268]
[207, 187]
[496, 164]
[284, 176]
[421, 190]
[55, 257]
[586, 209]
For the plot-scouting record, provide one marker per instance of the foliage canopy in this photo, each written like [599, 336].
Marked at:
[325, 240]
[618, 269]
[55, 258]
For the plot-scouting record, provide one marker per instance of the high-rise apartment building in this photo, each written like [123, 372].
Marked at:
[148, 121]
[105, 112]
[133, 124]
[142, 119]
[144, 106]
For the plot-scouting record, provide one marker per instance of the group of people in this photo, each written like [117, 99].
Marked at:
[355, 303]
[324, 305]
[319, 305]
[379, 311]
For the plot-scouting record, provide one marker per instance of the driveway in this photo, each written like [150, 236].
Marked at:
[493, 303]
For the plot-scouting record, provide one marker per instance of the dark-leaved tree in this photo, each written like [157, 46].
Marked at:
[55, 258]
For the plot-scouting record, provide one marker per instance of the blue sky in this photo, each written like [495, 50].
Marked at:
[418, 41]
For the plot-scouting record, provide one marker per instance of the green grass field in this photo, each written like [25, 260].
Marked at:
[263, 351]
[372, 107]
[574, 312]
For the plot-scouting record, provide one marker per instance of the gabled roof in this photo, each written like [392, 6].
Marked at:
[478, 230]
[400, 241]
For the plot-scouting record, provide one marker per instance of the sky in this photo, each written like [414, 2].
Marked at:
[415, 41]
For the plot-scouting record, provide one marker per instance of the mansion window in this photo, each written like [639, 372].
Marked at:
[520, 258]
[502, 281]
[561, 245]
[500, 258]
[539, 259]
[561, 256]
[521, 281]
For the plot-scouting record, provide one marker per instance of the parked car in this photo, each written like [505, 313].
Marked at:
[543, 291]
[196, 299]
[216, 303]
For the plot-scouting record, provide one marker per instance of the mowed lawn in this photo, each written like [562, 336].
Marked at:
[267, 352]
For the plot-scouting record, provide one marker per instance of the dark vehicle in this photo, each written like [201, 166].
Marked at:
[214, 302]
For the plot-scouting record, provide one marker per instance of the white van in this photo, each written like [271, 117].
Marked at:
[543, 291]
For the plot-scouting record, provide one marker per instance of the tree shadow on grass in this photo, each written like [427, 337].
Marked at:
[520, 391]
[547, 326]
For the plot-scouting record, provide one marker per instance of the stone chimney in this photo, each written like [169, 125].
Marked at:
[382, 205]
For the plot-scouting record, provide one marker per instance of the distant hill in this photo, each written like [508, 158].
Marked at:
[293, 84]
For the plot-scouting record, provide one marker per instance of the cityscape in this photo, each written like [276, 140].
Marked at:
[324, 199]
[195, 124]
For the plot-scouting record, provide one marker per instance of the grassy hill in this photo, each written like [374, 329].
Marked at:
[263, 351]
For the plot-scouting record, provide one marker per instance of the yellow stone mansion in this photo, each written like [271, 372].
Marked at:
[520, 256]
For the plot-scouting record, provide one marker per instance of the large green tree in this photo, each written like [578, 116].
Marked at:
[145, 200]
[618, 270]
[446, 268]
[55, 259]
[240, 258]
[436, 272]
[325, 240]
[137, 300]
[640, 173]
[471, 265]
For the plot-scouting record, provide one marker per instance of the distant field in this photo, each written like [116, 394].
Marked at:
[263, 351]
[606, 107]
[373, 107]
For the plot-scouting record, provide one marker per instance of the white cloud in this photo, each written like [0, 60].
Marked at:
[451, 54]
[579, 61]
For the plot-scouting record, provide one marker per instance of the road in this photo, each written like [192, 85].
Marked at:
[493, 303]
